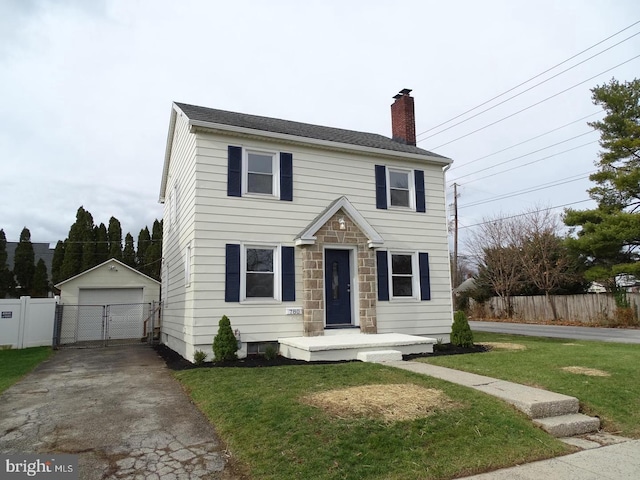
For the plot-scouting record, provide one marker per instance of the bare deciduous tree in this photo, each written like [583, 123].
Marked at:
[496, 258]
[541, 252]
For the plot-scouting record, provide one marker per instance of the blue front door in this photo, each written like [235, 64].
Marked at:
[337, 287]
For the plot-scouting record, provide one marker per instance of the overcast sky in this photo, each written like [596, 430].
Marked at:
[87, 88]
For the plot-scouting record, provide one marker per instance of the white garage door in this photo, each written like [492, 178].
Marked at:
[124, 313]
[108, 296]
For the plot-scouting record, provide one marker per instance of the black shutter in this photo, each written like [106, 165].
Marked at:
[383, 275]
[286, 176]
[288, 274]
[425, 286]
[234, 171]
[420, 195]
[381, 186]
[232, 273]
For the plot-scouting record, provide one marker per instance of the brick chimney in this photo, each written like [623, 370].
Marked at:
[403, 118]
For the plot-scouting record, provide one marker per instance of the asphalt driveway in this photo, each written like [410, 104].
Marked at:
[119, 409]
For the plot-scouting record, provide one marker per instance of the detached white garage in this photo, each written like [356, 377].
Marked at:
[108, 302]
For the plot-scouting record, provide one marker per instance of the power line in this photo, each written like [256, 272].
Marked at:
[536, 104]
[544, 186]
[526, 154]
[525, 90]
[530, 79]
[532, 162]
[525, 141]
[526, 213]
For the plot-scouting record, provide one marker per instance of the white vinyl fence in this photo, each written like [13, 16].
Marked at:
[27, 322]
[592, 308]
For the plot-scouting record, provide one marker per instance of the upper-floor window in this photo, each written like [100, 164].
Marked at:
[400, 190]
[261, 173]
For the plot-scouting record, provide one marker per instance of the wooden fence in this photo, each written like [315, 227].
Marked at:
[595, 308]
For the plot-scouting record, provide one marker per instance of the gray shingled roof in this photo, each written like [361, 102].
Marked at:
[307, 130]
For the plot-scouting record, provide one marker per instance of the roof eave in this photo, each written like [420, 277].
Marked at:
[243, 131]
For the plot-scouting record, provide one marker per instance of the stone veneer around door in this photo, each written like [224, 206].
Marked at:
[330, 234]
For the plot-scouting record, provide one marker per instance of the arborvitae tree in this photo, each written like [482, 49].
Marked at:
[225, 344]
[102, 244]
[115, 238]
[72, 263]
[56, 263]
[461, 334]
[153, 257]
[88, 243]
[24, 263]
[129, 252]
[40, 284]
[6, 275]
[144, 240]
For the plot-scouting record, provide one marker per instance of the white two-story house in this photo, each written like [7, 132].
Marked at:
[293, 230]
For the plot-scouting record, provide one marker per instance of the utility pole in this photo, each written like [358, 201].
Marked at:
[455, 235]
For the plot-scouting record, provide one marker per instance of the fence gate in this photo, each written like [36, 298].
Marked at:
[104, 325]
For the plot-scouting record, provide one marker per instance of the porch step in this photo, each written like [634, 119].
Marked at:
[380, 356]
[568, 425]
[348, 347]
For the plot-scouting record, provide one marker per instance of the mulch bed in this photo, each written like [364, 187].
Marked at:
[176, 362]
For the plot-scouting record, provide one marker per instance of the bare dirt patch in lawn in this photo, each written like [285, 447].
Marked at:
[503, 346]
[592, 372]
[390, 402]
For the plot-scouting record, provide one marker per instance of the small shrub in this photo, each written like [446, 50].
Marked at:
[199, 357]
[225, 344]
[461, 334]
[271, 352]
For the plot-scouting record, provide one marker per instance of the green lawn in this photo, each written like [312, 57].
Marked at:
[614, 398]
[273, 434]
[14, 364]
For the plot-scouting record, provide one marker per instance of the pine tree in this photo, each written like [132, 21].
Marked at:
[129, 252]
[608, 238]
[40, 283]
[24, 263]
[114, 234]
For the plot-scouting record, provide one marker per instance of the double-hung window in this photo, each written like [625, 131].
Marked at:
[401, 191]
[400, 188]
[261, 273]
[403, 275]
[261, 173]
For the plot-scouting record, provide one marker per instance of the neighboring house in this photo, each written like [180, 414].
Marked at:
[292, 229]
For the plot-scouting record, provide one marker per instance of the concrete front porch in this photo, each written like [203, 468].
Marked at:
[348, 346]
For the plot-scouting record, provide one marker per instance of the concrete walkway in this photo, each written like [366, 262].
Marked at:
[605, 456]
[119, 409]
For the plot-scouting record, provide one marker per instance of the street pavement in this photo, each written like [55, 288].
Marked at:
[619, 335]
